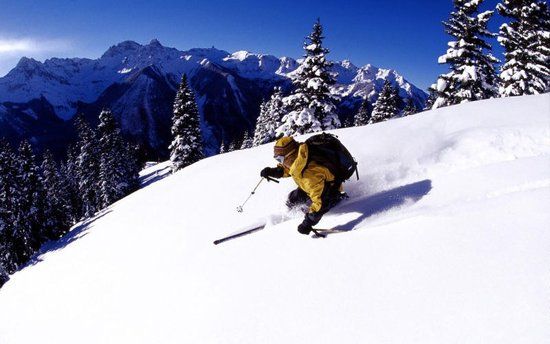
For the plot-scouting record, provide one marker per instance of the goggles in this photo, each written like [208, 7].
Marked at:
[279, 158]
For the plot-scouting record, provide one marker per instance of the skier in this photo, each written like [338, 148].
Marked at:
[317, 186]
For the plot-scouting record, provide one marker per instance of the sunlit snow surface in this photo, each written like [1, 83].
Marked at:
[449, 243]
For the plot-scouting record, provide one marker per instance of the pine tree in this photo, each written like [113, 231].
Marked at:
[247, 141]
[132, 167]
[234, 145]
[311, 104]
[57, 207]
[186, 147]
[3, 273]
[363, 115]
[271, 113]
[29, 206]
[5, 256]
[8, 263]
[432, 97]
[526, 40]
[69, 177]
[348, 122]
[410, 108]
[261, 131]
[112, 160]
[223, 148]
[386, 106]
[88, 168]
[472, 76]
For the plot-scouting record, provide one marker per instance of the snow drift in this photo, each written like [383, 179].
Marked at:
[449, 242]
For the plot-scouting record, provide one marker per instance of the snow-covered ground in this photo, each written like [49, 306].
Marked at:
[449, 243]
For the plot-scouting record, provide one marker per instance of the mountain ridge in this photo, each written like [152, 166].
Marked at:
[241, 79]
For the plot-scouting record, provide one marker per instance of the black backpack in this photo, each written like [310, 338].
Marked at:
[326, 150]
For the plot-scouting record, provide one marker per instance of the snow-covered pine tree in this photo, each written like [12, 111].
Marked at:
[261, 133]
[7, 210]
[386, 106]
[311, 104]
[57, 208]
[247, 140]
[363, 115]
[348, 122]
[234, 145]
[526, 41]
[271, 113]
[29, 205]
[432, 97]
[3, 272]
[69, 176]
[5, 258]
[223, 148]
[88, 168]
[112, 160]
[132, 166]
[186, 147]
[410, 108]
[472, 76]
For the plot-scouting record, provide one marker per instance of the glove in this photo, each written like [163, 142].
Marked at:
[304, 228]
[275, 172]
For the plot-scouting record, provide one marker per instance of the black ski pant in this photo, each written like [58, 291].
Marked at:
[330, 197]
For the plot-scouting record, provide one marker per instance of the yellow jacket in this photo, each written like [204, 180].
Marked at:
[311, 179]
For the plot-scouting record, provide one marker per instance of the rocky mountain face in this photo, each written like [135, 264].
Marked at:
[139, 82]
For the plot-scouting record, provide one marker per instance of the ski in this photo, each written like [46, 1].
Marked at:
[324, 232]
[240, 234]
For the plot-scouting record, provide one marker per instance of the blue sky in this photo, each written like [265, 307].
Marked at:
[401, 34]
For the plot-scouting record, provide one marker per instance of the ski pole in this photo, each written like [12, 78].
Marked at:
[240, 208]
[269, 179]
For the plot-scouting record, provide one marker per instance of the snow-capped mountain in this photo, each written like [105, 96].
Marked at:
[448, 241]
[138, 82]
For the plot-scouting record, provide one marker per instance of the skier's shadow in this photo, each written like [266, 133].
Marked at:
[383, 201]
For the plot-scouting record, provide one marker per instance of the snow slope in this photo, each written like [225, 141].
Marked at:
[450, 244]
